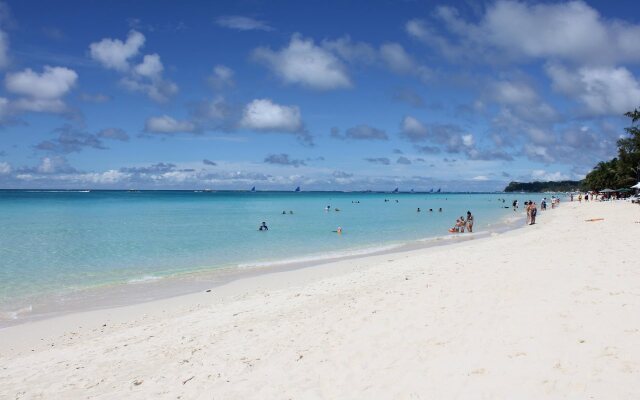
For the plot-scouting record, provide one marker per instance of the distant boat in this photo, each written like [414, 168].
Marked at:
[395, 190]
[253, 189]
[297, 189]
[431, 191]
[438, 190]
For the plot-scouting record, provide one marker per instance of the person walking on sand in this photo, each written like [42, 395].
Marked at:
[534, 212]
[469, 222]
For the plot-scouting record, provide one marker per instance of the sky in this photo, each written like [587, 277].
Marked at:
[326, 95]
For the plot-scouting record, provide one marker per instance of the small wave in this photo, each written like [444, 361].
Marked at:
[321, 257]
[144, 279]
[12, 315]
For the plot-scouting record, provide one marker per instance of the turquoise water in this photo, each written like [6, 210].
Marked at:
[56, 242]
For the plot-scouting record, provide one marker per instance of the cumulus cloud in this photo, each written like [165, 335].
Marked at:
[144, 77]
[360, 132]
[242, 23]
[114, 134]
[306, 64]
[398, 60]
[350, 51]
[378, 160]
[5, 168]
[151, 67]
[264, 115]
[516, 30]
[603, 90]
[209, 162]
[403, 160]
[283, 159]
[221, 77]
[114, 53]
[42, 92]
[450, 137]
[167, 125]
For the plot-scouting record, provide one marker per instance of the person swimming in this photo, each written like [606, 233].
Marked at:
[431, 210]
[440, 209]
[418, 210]
[263, 227]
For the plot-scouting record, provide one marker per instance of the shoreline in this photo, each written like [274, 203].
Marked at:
[122, 294]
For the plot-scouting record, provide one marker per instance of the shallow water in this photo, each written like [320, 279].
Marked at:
[53, 244]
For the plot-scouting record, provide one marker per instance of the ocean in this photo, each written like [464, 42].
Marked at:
[58, 246]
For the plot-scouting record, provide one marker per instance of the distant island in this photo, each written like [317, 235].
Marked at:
[550, 186]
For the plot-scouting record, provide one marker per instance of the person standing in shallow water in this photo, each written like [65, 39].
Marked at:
[263, 227]
[469, 222]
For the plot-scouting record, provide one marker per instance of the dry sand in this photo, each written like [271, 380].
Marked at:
[547, 311]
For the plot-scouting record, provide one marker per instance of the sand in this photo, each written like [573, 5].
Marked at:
[547, 311]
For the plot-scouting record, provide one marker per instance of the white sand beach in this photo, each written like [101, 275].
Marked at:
[550, 311]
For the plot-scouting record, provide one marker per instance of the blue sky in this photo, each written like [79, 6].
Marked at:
[324, 95]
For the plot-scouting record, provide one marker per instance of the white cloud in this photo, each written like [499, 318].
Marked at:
[167, 125]
[151, 67]
[572, 31]
[52, 83]
[352, 52]
[221, 77]
[265, 115]
[305, 64]
[39, 105]
[542, 175]
[114, 53]
[158, 90]
[480, 178]
[413, 129]
[242, 23]
[467, 140]
[145, 77]
[603, 90]
[5, 168]
[396, 58]
[514, 93]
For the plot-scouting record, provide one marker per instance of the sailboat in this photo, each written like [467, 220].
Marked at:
[297, 189]
[253, 189]
[395, 190]
[438, 190]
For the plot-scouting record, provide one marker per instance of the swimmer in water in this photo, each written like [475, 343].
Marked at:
[263, 227]
[440, 210]
[418, 209]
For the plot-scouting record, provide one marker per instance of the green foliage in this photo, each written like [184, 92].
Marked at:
[537, 187]
[624, 170]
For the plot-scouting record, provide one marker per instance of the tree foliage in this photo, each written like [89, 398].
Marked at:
[622, 171]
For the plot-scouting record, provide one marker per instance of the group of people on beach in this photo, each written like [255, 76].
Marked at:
[462, 223]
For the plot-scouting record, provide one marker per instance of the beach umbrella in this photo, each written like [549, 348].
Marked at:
[623, 190]
[607, 191]
[636, 186]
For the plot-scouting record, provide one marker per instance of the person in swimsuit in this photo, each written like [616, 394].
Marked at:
[263, 227]
[469, 222]
[462, 224]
